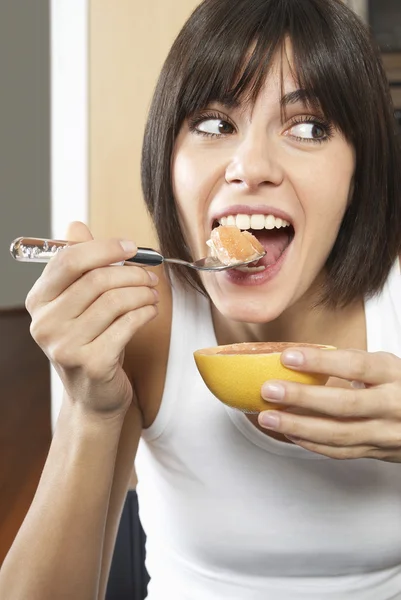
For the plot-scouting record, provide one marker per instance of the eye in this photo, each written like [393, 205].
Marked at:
[215, 127]
[309, 131]
[211, 124]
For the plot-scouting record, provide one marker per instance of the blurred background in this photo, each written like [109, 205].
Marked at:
[77, 77]
[25, 207]
[24, 137]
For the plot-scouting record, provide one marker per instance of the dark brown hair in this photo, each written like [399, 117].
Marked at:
[337, 63]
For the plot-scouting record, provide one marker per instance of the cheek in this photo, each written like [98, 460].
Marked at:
[196, 178]
[192, 178]
[324, 190]
[183, 176]
[189, 182]
[184, 192]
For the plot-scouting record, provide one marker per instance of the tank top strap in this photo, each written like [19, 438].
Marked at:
[394, 288]
[383, 315]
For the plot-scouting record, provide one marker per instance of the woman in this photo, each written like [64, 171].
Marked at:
[269, 110]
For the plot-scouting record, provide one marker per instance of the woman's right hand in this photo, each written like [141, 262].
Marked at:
[84, 312]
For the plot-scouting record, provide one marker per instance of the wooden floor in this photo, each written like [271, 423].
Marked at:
[25, 430]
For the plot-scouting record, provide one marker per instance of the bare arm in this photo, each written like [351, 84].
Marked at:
[123, 471]
[84, 313]
[60, 543]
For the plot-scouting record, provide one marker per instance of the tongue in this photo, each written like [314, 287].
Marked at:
[274, 242]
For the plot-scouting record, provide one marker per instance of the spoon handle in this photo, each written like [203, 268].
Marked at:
[147, 256]
[41, 250]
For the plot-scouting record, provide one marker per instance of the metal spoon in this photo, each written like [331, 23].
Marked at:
[41, 250]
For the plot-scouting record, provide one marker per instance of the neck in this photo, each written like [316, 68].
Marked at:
[342, 328]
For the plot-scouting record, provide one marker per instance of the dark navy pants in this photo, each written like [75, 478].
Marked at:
[128, 578]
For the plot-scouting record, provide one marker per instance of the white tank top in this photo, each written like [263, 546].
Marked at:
[231, 513]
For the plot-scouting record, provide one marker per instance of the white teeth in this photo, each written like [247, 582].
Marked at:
[257, 222]
[270, 222]
[243, 221]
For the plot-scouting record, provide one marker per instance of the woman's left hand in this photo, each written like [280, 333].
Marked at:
[361, 421]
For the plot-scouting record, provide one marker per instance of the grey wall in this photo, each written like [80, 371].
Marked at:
[24, 138]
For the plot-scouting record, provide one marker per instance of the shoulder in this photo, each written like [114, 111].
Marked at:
[146, 354]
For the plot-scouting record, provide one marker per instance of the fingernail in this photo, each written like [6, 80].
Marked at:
[269, 419]
[156, 294]
[292, 358]
[128, 246]
[272, 391]
[153, 277]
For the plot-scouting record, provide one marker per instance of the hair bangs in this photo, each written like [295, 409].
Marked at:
[235, 55]
[322, 66]
[234, 59]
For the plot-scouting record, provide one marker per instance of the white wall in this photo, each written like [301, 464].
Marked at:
[24, 139]
[69, 99]
[69, 119]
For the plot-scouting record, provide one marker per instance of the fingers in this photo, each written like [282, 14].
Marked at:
[84, 313]
[313, 429]
[387, 452]
[85, 291]
[340, 453]
[335, 421]
[333, 401]
[72, 262]
[77, 298]
[97, 356]
[111, 342]
[71, 351]
[78, 232]
[333, 433]
[110, 306]
[354, 365]
[94, 301]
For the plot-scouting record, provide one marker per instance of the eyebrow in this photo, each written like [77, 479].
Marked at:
[228, 101]
[299, 95]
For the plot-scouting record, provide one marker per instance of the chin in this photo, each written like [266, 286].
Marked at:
[250, 310]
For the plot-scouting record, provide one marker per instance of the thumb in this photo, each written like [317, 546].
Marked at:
[78, 232]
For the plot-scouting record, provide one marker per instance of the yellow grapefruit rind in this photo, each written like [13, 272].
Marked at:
[236, 379]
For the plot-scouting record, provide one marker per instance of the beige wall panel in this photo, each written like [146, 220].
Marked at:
[129, 41]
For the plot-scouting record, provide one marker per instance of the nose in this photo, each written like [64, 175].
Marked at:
[254, 163]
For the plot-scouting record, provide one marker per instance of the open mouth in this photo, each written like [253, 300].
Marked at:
[274, 233]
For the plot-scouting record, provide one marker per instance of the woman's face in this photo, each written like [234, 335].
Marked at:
[246, 161]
